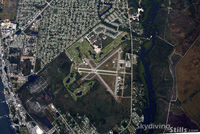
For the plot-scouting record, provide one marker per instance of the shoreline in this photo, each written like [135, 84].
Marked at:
[5, 121]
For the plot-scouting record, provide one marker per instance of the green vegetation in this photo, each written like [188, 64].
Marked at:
[105, 42]
[77, 91]
[141, 74]
[141, 70]
[148, 45]
[111, 46]
[70, 79]
[81, 91]
[84, 89]
[54, 73]
[24, 130]
[160, 76]
[98, 105]
[80, 50]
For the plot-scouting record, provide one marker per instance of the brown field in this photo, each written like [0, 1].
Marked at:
[111, 64]
[188, 72]
[184, 25]
[110, 80]
[192, 108]
[9, 10]
[188, 82]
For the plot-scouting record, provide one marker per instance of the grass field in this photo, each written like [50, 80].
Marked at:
[111, 46]
[84, 89]
[81, 90]
[9, 10]
[192, 108]
[105, 42]
[76, 90]
[110, 80]
[111, 64]
[81, 50]
[71, 78]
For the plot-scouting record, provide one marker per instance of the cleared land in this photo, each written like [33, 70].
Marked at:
[183, 25]
[192, 108]
[110, 80]
[188, 72]
[188, 85]
[9, 10]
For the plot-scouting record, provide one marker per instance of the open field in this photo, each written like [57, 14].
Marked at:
[127, 86]
[188, 72]
[192, 108]
[188, 85]
[74, 89]
[111, 64]
[9, 10]
[83, 49]
[112, 46]
[105, 42]
[183, 25]
[110, 80]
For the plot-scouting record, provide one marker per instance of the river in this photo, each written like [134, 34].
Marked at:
[5, 124]
[150, 109]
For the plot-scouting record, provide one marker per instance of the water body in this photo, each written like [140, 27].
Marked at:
[5, 124]
[150, 110]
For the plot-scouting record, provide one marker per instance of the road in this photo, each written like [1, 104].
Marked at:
[35, 16]
[131, 37]
[32, 20]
